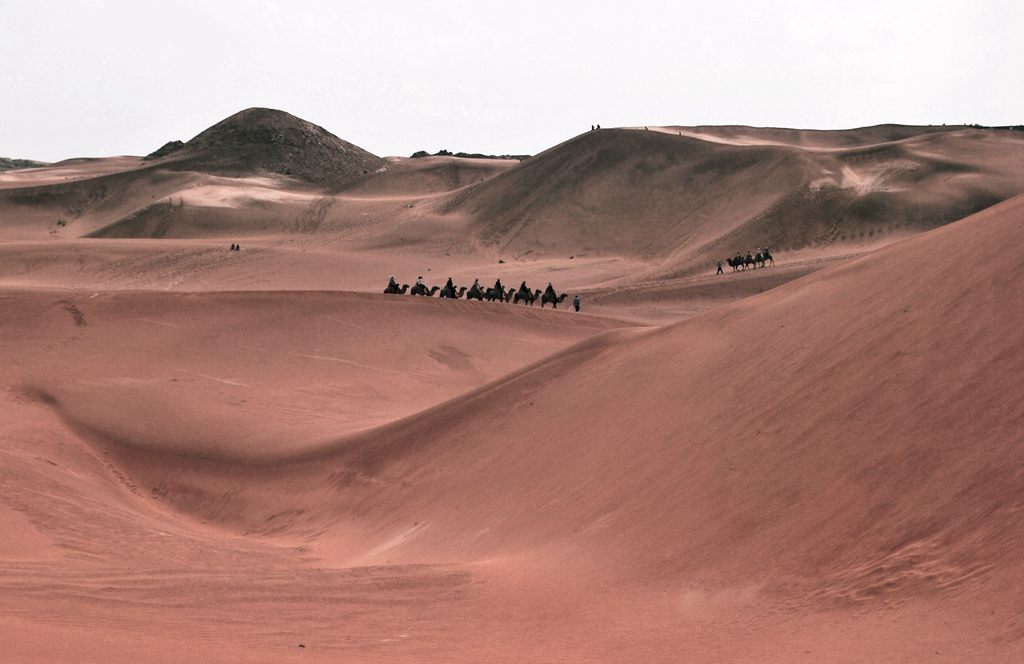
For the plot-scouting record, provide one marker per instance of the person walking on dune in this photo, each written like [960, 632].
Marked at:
[719, 268]
[576, 303]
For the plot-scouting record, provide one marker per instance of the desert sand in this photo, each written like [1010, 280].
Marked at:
[256, 456]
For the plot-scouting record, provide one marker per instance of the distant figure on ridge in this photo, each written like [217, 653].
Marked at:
[719, 268]
[576, 299]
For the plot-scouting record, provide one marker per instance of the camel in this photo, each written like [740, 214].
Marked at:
[527, 296]
[741, 263]
[395, 290]
[475, 292]
[421, 289]
[493, 294]
[550, 296]
[445, 292]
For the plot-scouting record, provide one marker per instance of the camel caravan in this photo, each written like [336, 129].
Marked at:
[496, 293]
[753, 260]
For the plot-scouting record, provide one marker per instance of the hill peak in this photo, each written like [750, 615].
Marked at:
[268, 140]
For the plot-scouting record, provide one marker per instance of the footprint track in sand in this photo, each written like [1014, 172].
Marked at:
[75, 312]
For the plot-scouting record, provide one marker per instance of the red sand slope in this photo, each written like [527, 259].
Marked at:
[825, 472]
[323, 362]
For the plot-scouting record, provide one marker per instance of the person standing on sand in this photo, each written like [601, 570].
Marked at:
[719, 268]
[576, 303]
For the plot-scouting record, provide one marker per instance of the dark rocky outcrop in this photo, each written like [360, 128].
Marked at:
[167, 148]
[263, 140]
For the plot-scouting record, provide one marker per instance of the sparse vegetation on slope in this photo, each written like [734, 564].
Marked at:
[8, 164]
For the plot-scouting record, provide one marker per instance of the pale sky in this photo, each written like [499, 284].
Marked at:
[100, 77]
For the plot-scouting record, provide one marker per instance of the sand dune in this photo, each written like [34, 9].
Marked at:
[652, 207]
[692, 413]
[825, 468]
[820, 139]
[345, 361]
[410, 178]
[714, 197]
[254, 456]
